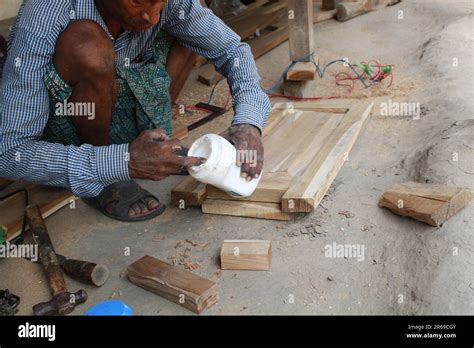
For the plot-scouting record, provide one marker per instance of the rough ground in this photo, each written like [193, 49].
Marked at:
[402, 257]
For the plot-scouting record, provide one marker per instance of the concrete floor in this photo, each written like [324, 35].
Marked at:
[404, 259]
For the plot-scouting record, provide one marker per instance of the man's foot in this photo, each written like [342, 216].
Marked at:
[127, 201]
[138, 209]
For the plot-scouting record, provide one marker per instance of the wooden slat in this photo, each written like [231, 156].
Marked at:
[247, 25]
[327, 105]
[271, 211]
[309, 189]
[292, 145]
[179, 286]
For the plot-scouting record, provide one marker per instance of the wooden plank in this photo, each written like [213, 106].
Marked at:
[301, 71]
[325, 105]
[431, 204]
[271, 189]
[179, 286]
[309, 189]
[301, 29]
[293, 143]
[253, 255]
[260, 45]
[189, 192]
[268, 41]
[49, 199]
[271, 211]
[247, 25]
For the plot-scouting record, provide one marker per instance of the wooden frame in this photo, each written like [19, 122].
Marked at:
[306, 144]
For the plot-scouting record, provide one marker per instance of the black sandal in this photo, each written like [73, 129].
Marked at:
[125, 194]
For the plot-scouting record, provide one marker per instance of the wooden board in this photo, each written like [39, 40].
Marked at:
[179, 286]
[258, 210]
[431, 204]
[306, 144]
[49, 199]
[308, 189]
[246, 255]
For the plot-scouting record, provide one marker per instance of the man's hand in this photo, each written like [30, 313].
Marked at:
[248, 142]
[153, 156]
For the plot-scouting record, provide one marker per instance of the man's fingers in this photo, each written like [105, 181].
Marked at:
[256, 168]
[157, 135]
[187, 162]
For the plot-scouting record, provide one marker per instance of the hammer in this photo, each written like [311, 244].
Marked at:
[63, 302]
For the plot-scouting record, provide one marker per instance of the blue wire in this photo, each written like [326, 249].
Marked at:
[302, 59]
[318, 69]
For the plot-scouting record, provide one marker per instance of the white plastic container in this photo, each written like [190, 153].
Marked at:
[220, 169]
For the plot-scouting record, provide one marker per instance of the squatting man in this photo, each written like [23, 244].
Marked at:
[119, 59]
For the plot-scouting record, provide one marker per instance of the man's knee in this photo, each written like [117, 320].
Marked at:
[84, 50]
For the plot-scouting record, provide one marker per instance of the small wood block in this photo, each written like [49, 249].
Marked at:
[302, 71]
[179, 286]
[190, 192]
[253, 255]
[271, 211]
[431, 204]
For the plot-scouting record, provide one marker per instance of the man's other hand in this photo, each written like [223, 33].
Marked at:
[248, 142]
[153, 156]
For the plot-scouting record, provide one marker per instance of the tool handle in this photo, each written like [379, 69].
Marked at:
[47, 255]
[86, 272]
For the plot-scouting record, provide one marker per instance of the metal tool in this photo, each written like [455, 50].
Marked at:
[63, 302]
[8, 303]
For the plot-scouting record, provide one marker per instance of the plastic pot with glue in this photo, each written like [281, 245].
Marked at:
[220, 169]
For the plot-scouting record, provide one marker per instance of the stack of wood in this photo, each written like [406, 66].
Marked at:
[306, 144]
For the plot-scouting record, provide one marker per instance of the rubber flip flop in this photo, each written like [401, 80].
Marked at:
[125, 194]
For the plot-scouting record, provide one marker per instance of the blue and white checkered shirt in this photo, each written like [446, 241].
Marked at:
[24, 101]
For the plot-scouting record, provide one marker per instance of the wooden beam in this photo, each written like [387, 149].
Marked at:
[301, 29]
[308, 190]
[271, 211]
[253, 255]
[431, 204]
[179, 286]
